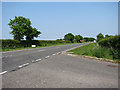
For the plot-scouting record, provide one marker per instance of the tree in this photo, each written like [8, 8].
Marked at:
[89, 39]
[69, 37]
[21, 27]
[78, 38]
[107, 36]
[100, 37]
[31, 33]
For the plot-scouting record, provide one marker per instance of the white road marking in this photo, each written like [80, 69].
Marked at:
[58, 53]
[71, 55]
[20, 66]
[47, 56]
[3, 72]
[33, 61]
[37, 60]
[23, 65]
[53, 54]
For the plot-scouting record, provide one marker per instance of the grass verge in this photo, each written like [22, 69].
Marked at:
[95, 50]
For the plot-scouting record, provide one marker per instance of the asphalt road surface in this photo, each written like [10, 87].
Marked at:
[49, 68]
[11, 60]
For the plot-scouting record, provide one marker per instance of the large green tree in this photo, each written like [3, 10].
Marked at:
[78, 38]
[100, 37]
[21, 27]
[69, 37]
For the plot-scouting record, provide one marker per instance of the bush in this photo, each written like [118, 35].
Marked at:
[113, 43]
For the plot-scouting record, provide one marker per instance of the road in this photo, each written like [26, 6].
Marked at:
[53, 69]
[13, 59]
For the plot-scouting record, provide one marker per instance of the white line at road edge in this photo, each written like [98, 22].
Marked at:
[3, 72]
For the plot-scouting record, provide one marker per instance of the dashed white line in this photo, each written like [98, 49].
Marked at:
[3, 72]
[58, 53]
[23, 65]
[20, 66]
[37, 60]
[47, 56]
[33, 61]
[53, 54]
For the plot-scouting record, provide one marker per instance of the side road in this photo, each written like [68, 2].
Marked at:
[63, 71]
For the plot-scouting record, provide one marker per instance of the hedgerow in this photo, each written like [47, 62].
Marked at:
[113, 43]
[25, 43]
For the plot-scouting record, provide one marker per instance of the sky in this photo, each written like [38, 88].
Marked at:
[55, 19]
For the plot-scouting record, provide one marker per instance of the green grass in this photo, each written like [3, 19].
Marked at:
[21, 48]
[94, 50]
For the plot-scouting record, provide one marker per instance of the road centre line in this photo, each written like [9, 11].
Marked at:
[38, 60]
[20, 66]
[23, 65]
[53, 54]
[3, 72]
[58, 53]
[47, 56]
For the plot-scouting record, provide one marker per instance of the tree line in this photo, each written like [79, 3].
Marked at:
[100, 36]
[22, 28]
[77, 38]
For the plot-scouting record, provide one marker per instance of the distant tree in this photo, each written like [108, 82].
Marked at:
[59, 39]
[78, 38]
[91, 39]
[107, 36]
[88, 39]
[69, 37]
[21, 27]
[100, 37]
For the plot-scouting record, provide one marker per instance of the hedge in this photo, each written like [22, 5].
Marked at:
[113, 43]
[24, 43]
[10, 44]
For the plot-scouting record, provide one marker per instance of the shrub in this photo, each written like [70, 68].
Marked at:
[113, 43]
